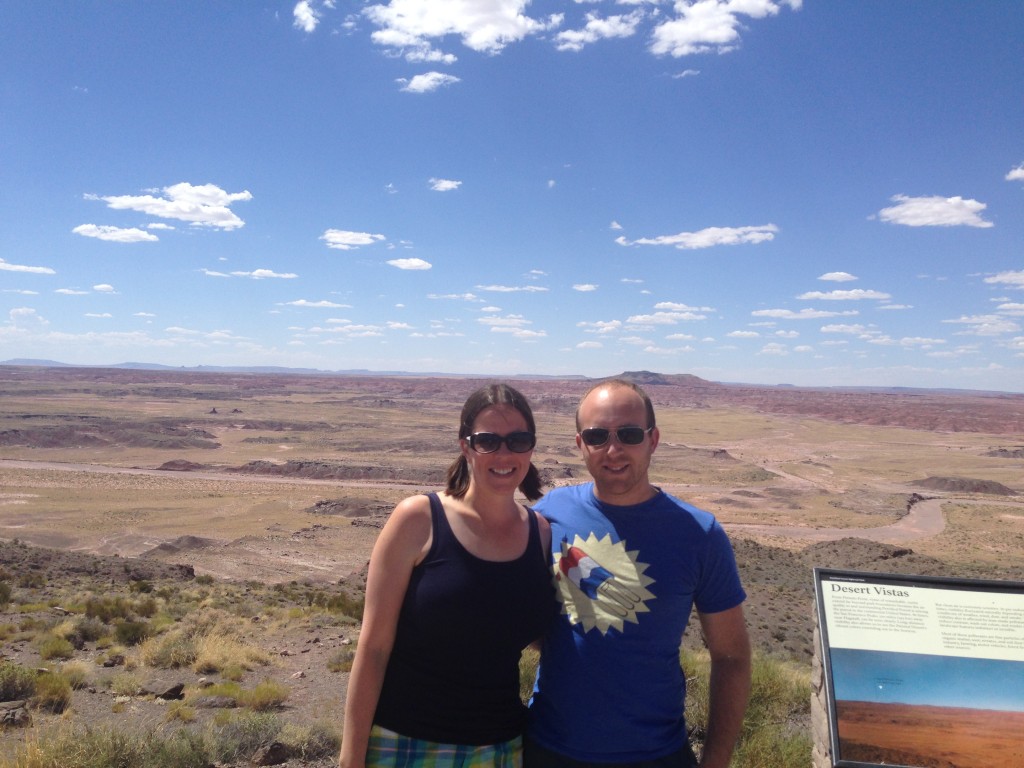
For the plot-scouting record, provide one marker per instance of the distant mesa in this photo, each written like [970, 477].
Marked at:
[965, 485]
[182, 544]
[180, 465]
[649, 378]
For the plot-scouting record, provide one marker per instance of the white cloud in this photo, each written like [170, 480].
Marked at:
[665, 318]
[854, 295]
[483, 25]
[317, 304]
[673, 306]
[444, 185]
[615, 225]
[104, 288]
[855, 329]
[584, 287]
[345, 240]
[707, 238]
[1010, 279]
[709, 26]
[935, 211]
[203, 205]
[458, 296]
[986, 325]
[803, 314]
[1016, 310]
[597, 28]
[427, 82]
[509, 321]
[262, 274]
[7, 267]
[743, 335]
[306, 17]
[686, 73]
[410, 263]
[512, 288]
[115, 234]
[71, 292]
[837, 277]
[590, 345]
[600, 326]
[1017, 174]
[26, 317]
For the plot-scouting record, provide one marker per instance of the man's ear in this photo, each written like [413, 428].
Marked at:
[579, 441]
[655, 437]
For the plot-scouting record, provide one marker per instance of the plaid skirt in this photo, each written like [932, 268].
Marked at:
[388, 749]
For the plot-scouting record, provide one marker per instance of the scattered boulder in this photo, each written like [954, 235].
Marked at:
[14, 714]
[272, 754]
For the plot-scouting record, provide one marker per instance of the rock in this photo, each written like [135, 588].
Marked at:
[272, 754]
[14, 714]
[174, 693]
[214, 702]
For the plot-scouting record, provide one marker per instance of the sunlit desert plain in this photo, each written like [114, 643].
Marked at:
[284, 478]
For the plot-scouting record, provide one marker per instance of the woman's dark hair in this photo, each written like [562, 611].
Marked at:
[492, 394]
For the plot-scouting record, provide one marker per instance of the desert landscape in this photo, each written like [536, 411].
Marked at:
[931, 737]
[276, 483]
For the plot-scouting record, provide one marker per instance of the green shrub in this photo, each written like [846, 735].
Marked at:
[125, 684]
[76, 673]
[113, 747]
[527, 673]
[131, 632]
[53, 692]
[5, 594]
[240, 737]
[55, 647]
[108, 608]
[169, 651]
[89, 629]
[774, 728]
[310, 742]
[16, 681]
[267, 695]
[341, 660]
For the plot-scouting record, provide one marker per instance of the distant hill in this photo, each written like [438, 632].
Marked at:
[272, 369]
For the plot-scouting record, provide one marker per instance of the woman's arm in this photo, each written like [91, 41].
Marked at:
[403, 542]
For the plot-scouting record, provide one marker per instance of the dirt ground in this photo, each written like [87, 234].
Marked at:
[280, 479]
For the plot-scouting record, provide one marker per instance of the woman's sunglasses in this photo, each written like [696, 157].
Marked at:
[489, 442]
[598, 436]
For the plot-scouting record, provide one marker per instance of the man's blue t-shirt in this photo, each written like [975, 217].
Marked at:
[610, 687]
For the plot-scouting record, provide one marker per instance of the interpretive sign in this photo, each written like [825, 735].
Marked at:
[922, 671]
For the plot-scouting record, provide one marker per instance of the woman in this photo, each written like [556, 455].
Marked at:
[458, 585]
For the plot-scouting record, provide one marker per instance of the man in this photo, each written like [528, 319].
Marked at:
[630, 561]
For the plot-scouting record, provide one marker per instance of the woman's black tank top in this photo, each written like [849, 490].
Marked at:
[453, 674]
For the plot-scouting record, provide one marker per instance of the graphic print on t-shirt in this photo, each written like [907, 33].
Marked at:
[600, 584]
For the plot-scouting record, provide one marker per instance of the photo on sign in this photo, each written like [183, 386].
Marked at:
[921, 671]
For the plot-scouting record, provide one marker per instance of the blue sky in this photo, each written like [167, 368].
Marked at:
[942, 681]
[812, 193]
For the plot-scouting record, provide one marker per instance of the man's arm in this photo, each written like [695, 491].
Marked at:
[726, 636]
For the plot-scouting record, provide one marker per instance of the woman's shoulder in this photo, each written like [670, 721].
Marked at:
[410, 520]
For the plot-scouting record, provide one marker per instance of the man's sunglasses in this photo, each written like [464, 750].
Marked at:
[488, 442]
[598, 436]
